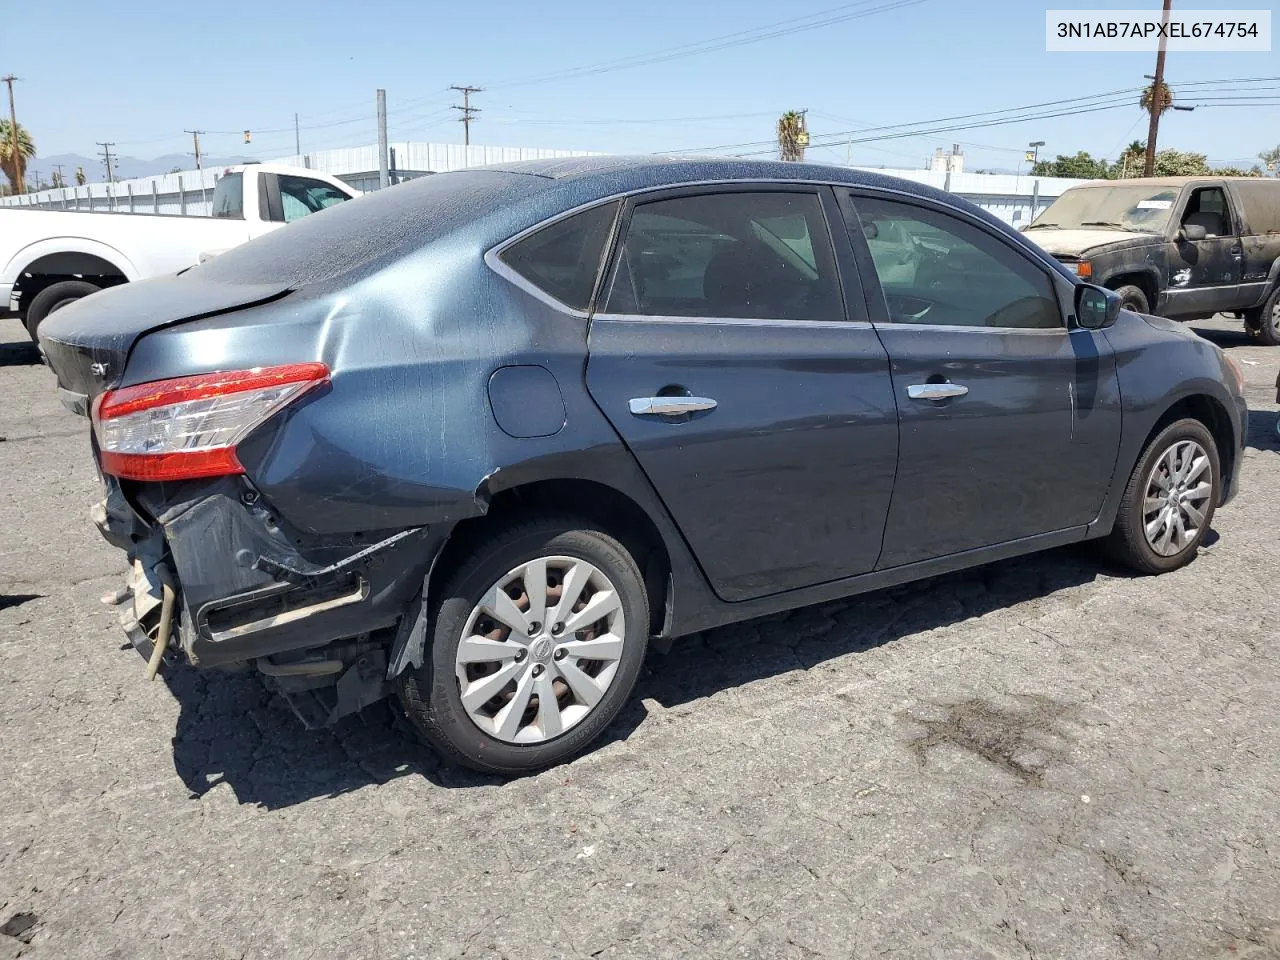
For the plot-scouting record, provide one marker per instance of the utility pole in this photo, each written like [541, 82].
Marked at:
[297, 137]
[58, 178]
[467, 111]
[1157, 98]
[384, 178]
[106, 158]
[10, 79]
[195, 136]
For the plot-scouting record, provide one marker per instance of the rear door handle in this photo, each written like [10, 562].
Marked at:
[669, 406]
[935, 391]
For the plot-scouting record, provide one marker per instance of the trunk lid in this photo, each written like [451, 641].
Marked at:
[87, 343]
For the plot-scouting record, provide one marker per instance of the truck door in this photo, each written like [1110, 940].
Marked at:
[1205, 275]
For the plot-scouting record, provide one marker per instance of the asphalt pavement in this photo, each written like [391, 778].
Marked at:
[1044, 758]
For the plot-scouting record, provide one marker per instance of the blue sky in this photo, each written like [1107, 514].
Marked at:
[162, 67]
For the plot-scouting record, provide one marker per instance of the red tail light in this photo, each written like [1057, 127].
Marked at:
[188, 427]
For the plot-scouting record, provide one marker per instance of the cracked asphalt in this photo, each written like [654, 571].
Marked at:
[1044, 758]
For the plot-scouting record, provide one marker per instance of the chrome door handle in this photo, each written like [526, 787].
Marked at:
[669, 406]
[935, 391]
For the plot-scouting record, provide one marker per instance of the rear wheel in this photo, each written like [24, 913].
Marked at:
[1169, 501]
[1132, 298]
[535, 645]
[55, 297]
[1263, 324]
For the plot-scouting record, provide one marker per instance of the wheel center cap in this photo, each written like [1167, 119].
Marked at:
[541, 649]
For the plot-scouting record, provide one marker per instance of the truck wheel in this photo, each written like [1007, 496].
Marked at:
[1168, 503]
[1132, 298]
[1263, 325]
[55, 297]
[534, 646]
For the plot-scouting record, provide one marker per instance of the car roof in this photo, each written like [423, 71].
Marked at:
[639, 171]
[1164, 181]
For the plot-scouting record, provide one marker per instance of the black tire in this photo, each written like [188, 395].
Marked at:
[1263, 324]
[431, 695]
[1128, 541]
[1132, 298]
[54, 297]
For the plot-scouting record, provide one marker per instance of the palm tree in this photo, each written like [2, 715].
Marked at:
[81, 179]
[1132, 158]
[14, 161]
[1164, 101]
[792, 135]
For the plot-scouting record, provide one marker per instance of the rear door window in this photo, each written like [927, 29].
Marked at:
[564, 258]
[751, 255]
[228, 197]
[300, 196]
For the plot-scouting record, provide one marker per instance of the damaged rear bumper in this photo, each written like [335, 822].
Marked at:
[311, 613]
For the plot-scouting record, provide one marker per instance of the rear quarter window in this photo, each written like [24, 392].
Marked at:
[564, 258]
[1261, 201]
[228, 197]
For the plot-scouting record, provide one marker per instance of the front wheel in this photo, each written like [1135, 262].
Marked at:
[1132, 298]
[535, 645]
[1169, 501]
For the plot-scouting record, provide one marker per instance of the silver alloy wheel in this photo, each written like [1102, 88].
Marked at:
[540, 649]
[1178, 489]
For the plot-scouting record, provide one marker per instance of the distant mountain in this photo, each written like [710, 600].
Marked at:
[126, 168]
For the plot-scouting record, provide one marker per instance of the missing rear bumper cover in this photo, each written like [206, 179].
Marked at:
[274, 607]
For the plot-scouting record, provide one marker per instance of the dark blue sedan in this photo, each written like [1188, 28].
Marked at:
[479, 438]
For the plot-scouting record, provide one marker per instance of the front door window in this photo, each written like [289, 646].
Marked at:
[759, 256]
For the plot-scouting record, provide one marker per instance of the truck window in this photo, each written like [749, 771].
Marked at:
[1261, 201]
[1208, 208]
[300, 196]
[228, 197]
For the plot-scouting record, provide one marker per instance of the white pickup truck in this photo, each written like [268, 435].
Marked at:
[48, 258]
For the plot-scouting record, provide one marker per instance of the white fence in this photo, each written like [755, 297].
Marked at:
[1014, 199]
[190, 193]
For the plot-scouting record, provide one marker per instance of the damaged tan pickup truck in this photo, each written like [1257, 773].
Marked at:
[1180, 247]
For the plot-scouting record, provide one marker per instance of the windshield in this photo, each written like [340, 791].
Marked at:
[1142, 209]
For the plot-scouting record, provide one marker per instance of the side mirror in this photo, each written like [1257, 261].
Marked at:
[1192, 231]
[1096, 307]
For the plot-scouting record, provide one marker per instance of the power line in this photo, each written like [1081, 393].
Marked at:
[903, 128]
[1095, 108]
[621, 121]
[811, 21]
